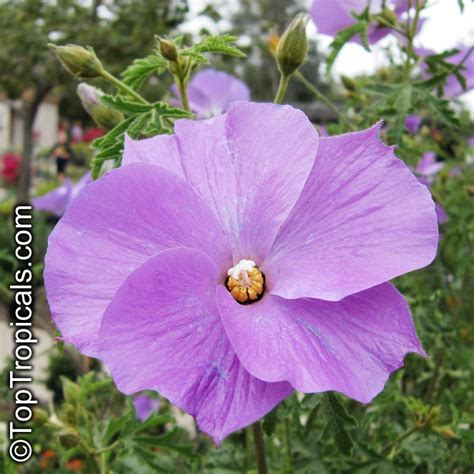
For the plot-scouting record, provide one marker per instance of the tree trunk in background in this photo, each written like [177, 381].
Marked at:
[27, 155]
[29, 115]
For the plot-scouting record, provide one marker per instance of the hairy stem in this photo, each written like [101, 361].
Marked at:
[121, 86]
[183, 94]
[320, 96]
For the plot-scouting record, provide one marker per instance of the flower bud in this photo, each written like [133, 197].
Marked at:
[293, 46]
[167, 48]
[40, 416]
[79, 61]
[103, 116]
[348, 83]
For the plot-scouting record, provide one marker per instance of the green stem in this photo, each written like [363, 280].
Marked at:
[122, 86]
[282, 86]
[289, 460]
[410, 34]
[248, 448]
[103, 463]
[405, 435]
[183, 94]
[259, 448]
[320, 96]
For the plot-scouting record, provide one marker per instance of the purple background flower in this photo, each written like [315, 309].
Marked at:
[412, 123]
[58, 199]
[210, 92]
[328, 220]
[145, 405]
[332, 16]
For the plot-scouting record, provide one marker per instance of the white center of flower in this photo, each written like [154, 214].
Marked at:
[246, 281]
[241, 270]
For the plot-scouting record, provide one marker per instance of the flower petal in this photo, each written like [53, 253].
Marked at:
[350, 346]
[112, 227]
[250, 166]
[163, 332]
[362, 219]
[161, 150]
[56, 200]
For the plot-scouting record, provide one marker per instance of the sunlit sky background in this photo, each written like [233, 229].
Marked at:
[445, 27]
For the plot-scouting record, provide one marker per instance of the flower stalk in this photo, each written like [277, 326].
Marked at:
[259, 448]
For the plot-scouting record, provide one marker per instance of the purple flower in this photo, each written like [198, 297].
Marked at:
[412, 123]
[426, 170]
[470, 142]
[210, 92]
[144, 406]
[428, 166]
[333, 16]
[57, 200]
[249, 206]
[441, 214]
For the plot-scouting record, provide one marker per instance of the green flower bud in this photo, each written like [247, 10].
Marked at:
[79, 61]
[167, 48]
[293, 46]
[40, 416]
[348, 83]
[103, 116]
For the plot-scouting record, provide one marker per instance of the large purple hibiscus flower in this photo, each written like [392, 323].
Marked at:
[58, 199]
[210, 92]
[241, 258]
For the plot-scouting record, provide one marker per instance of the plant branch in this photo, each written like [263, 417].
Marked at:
[259, 448]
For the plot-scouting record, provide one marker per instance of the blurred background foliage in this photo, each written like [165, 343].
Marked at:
[422, 422]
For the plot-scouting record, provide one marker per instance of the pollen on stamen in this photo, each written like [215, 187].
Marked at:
[245, 281]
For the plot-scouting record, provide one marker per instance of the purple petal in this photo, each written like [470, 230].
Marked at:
[250, 166]
[111, 228]
[428, 166]
[350, 346]
[362, 219]
[81, 184]
[412, 123]
[333, 16]
[161, 150]
[441, 214]
[163, 332]
[145, 406]
[211, 92]
[56, 200]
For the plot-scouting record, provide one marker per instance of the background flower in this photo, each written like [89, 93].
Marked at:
[210, 92]
[145, 406]
[58, 199]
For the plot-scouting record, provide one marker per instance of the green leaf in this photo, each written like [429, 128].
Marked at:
[136, 127]
[124, 105]
[270, 422]
[222, 44]
[338, 421]
[110, 138]
[141, 69]
[155, 419]
[166, 110]
[342, 38]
